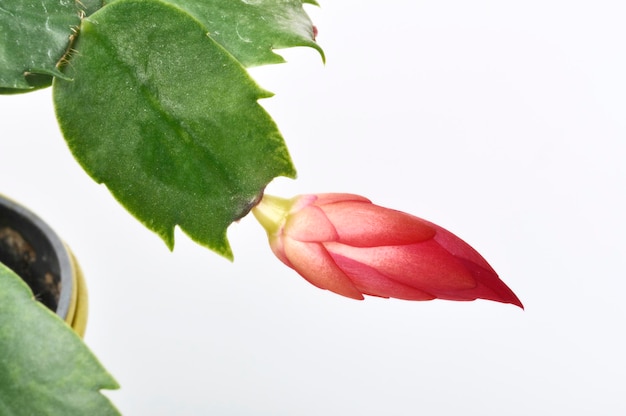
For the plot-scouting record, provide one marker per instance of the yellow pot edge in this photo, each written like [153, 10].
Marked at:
[78, 311]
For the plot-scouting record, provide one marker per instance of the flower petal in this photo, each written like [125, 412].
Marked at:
[314, 263]
[459, 248]
[489, 286]
[425, 266]
[371, 282]
[331, 198]
[310, 224]
[366, 225]
[277, 246]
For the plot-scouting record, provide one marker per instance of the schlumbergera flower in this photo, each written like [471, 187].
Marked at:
[348, 245]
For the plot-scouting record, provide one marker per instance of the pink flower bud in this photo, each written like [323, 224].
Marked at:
[346, 244]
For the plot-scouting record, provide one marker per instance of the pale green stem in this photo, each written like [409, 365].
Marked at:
[272, 213]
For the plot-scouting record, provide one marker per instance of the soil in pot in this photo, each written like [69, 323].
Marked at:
[18, 255]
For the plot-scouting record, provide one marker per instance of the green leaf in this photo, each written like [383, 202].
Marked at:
[90, 6]
[45, 368]
[168, 120]
[251, 29]
[34, 37]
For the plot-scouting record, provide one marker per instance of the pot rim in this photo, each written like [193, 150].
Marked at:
[58, 247]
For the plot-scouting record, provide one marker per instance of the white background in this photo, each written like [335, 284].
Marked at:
[503, 121]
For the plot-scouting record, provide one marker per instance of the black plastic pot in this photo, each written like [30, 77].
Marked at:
[32, 250]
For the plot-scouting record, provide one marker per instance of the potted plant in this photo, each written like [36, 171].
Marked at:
[45, 366]
[155, 101]
[30, 248]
